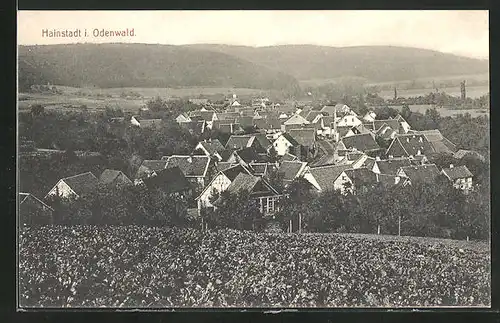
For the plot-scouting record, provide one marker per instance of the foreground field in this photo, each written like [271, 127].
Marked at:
[142, 266]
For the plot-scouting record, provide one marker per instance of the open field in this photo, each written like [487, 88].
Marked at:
[444, 112]
[98, 99]
[472, 92]
[134, 266]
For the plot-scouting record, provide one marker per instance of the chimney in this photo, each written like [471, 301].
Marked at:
[396, 179]
[451, 165]
[190, 159]
[377, 158]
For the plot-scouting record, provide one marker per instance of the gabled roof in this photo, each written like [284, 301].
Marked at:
[108, 176]
[267, 123]
[422, 173]
[312, 114]
[296, 119]
[234, 170]
[191, 166]
[361, 176]
[290, 139]
[169, 180]
[259, 169]
[368, 163]
[391, 166]
[263, 141]
[212, 146]
[206, 115]
[458, 172]
[228, 115]
[375, 125]
[222, 166]
[225, 154]
[412, 143]
[291, 169]
[354, 156]
[24, 197]
[289, 157]
[243, 182]
[438, 141]
[325, 176]
[240, 141]
[362, 142]
[327, 159]
[305, 137]
[194, 127]
[385, 131]
[387, 180]
[82, 183]
[248, 154]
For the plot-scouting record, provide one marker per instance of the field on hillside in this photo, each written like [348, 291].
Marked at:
[133, 266]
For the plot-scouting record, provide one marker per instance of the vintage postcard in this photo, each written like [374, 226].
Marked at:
[253, 159]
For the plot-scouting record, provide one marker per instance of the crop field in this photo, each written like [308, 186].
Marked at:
[133, 266]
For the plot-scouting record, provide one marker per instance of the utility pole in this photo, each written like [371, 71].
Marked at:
[290, 227]
[399, 225]
[378, 229]
[300, 222]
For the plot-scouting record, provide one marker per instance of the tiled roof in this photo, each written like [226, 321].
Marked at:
[290, 139]
[108, 176]
[169, 180]
[312, 114]
[194, 127]
[263, 141]
[305, 137]
[391, 166]
[248, 154]
[240, 141]
[326, 175]
[462, 153]
[25, 197]
[82, 183]
[234, 170]
[412, 143]
[243, 182]
[212, 146]
[387, 180]
[259, 169]
[363, 142]
[222, 166]
[438, 141]
[154, 165]
[458, 172]
[191, 166]
[422, 173]
[289, 157]
[267, 123]
[149, 123]
[291, 169]
[361, 177]
[245, 121]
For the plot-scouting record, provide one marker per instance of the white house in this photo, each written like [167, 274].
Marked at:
[183, 117]
[296, 119]
[74, 186]
[460, 176]
[283, 144]
[349, 120]
[370, 116]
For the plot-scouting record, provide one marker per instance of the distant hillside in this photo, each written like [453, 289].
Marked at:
[141, 65]
[374, 63]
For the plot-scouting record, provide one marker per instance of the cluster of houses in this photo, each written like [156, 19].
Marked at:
[332, 148]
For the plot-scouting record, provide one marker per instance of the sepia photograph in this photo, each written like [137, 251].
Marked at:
[253, 159]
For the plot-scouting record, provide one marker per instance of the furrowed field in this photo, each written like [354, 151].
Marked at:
[133, 266]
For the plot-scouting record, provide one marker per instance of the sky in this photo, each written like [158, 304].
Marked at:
[460, 32]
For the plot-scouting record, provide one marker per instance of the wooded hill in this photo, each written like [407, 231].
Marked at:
[275, 67]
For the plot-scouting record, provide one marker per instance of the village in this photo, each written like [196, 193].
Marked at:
[331, 147]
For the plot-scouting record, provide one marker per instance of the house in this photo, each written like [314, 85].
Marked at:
[323, 177]
[219, 184]
[183, 117]
[388, 181]
[314, 116]
[364, 143]
[261, 169]
[326, 126]
[419, 174]
[355, 159]
[245, 122]
[291, 170]
[33, 211]
[146, 123]
[439, 142]
[356, 180]
[284, 143]
[195, 128]
[246, 156]
[222, 166]
[305, 137]
[369, 116]
[170, 181]
[336, 109]
[409, 145]
[289, 157]
[404, 125]
[270, 125]
[199, 101]
[258, 189]
[228, 116]
[386, 132]
[74, 186]
[460, 176]
[210, 148]
[228, 127]
[149, 168]
[296, 120]
[390, 166]
[237, 142]
[349, 120]
[114, 178]
[209, 117]
[195, 168]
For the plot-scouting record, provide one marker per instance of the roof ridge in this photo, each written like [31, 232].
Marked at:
[78, 175]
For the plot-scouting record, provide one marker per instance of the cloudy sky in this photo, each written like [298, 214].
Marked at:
[458, 32]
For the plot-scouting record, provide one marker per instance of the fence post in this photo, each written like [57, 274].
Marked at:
[378, 229]
[399, 225]
[300, 222]
[290, 227]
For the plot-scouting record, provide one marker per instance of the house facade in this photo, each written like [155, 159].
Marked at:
[459, 176]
